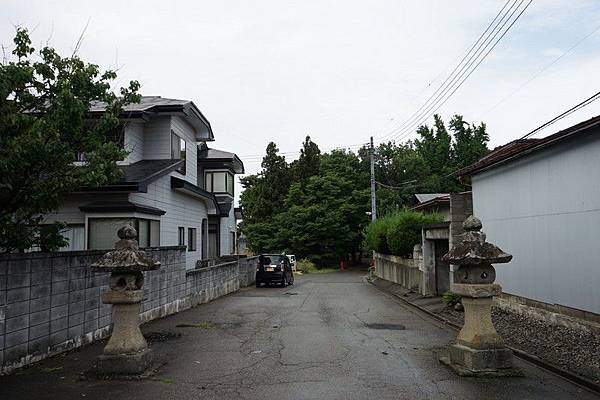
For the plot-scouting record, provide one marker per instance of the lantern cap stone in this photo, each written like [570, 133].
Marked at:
[126, 257]
[474, 250]
[472, 223]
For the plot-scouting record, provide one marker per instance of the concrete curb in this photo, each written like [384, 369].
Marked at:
[563, 373]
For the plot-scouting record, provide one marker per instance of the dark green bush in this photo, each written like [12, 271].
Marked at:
[398, 233]
[451, 299]
[376, 235]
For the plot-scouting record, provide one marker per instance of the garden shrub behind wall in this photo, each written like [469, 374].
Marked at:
[398, 233]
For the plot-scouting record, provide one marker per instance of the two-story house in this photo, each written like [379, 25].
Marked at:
[174, 190]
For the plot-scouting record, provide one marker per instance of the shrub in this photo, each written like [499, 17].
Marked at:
[305, 266]
[451, 299]
[376, 235]
[398, 233]
[404, 231]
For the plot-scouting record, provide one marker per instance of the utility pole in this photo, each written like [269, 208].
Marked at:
[373, 199]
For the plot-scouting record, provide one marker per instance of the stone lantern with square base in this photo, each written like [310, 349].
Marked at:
[126, 352]
[479, 350]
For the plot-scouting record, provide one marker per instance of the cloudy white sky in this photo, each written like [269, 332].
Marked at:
[337, 70]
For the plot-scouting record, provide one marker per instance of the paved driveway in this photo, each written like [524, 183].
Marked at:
[330, 336]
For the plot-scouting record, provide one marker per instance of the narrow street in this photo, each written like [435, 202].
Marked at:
[330, 336]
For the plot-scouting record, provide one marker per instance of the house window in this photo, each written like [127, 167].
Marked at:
[102, 232]
[191, 239]
[219, 182]
[148, 232]
[181, 236]
[178, 151]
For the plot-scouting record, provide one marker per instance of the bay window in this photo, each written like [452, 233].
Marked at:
[219, 182]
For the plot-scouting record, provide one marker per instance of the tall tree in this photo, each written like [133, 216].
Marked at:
[44, 103]
[263, 199]
[470, 141]
[309, 162]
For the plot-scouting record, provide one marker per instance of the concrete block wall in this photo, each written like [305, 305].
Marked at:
[402, 271]
[247, 271]
[50, 302]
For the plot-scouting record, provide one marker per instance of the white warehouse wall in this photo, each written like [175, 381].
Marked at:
[544, 209]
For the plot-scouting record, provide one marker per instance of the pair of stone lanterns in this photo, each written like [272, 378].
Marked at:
[479, 350]
[126, 352]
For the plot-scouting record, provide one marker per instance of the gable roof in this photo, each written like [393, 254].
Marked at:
[522, 147]
[153, 105]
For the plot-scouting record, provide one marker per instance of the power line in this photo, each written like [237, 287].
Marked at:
[450, 76]
[571, 110]
[401, 185]
[538, 73]
[434, 107]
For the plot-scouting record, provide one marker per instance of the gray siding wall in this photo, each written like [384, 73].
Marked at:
[545, 210]
[157, 139]
[181, 210]
[134, 142]
[227, 227]
[70, 213]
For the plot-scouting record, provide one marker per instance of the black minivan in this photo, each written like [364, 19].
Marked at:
[274, 268]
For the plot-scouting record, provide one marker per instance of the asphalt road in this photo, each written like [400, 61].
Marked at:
[330, 336]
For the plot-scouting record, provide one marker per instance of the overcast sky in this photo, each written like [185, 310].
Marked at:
[337, 70]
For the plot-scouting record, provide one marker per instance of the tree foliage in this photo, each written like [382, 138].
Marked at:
[316, 206]
[322, 212]
[399, 232]
[44, 121]
[427, 164]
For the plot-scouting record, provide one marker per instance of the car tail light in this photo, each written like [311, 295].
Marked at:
[257, 266]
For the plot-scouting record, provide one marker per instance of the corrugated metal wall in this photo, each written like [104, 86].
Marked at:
[545, 210]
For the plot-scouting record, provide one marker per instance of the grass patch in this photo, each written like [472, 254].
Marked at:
[201, 325]
[167, 381]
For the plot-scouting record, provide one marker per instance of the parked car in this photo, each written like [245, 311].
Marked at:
[292, 261]
[274, 268]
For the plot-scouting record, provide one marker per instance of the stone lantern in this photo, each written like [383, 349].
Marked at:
[126, 352]
[478, 350]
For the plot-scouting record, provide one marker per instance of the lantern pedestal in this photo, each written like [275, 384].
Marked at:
[479, 350]
[126, 352]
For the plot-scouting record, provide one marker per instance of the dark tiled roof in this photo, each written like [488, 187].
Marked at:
[148, 169]
[150, 105]
[147, 103]
[120, 206]
[137, 176]
[522, 147]
[214, 156]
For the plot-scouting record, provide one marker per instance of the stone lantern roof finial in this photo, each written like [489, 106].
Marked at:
[474, 249]
[126, 257]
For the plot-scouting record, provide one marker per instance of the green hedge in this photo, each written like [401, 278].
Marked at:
[398, 233]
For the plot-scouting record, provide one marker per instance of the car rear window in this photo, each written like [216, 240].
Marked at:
[273, 260]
